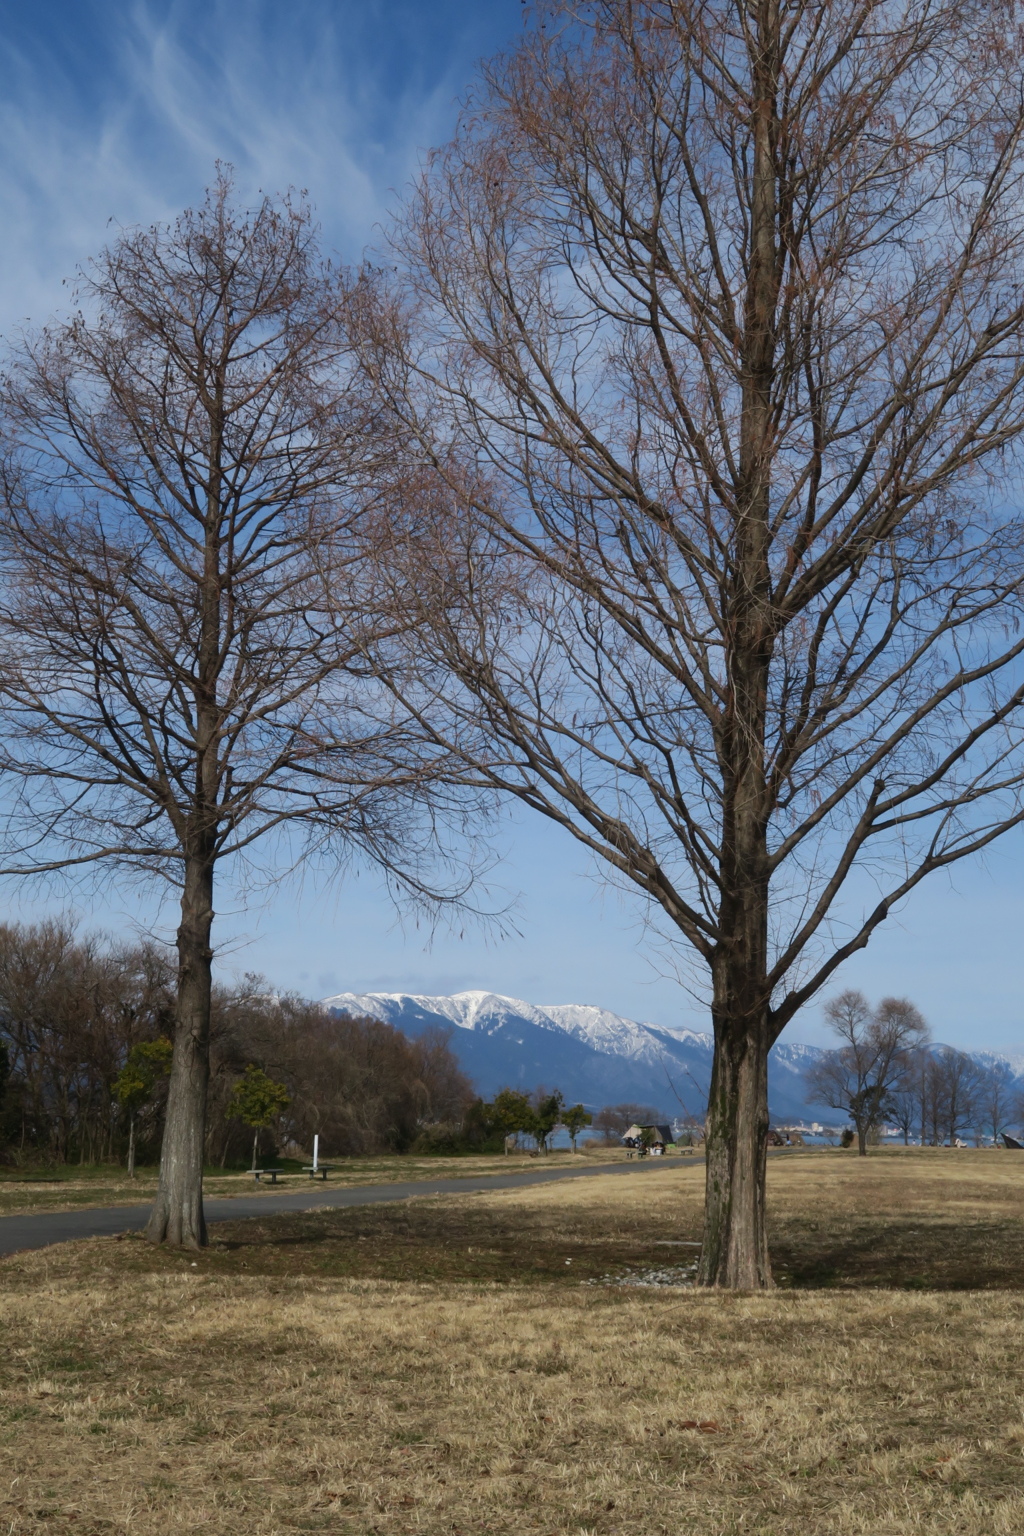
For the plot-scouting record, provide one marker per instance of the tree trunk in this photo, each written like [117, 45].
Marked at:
[131, 1144]
[255, 1144]
[735, 1248]
[178, 1212]
[862, 1139]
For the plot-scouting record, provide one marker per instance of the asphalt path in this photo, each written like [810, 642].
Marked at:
[20, 1232]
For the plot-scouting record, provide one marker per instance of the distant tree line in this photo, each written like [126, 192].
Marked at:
[513, 1114]
[85, 1034]
[86, 1029]
[886, 1071]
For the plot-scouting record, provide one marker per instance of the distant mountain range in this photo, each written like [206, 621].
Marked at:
[593, 1056]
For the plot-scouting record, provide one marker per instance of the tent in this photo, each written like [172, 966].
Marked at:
[660, 1136]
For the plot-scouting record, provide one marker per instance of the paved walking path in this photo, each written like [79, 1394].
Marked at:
[18, 1232]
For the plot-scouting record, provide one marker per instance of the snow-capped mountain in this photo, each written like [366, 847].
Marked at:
[591, 1054]
[1011, 1059]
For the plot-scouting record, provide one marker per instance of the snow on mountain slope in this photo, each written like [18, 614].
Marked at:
[1011, 1059]
[610, 1032]
[488, 1011]
[589, 1053]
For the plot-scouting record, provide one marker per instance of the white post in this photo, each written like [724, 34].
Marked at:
[316, 1151]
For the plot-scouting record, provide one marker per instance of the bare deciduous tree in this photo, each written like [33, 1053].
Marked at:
[360, 1084]
[188, 475]
[71, 1009]
[952, 1091]
[877, 1054]
[995, 1098]
[905, 1097]
[714, 343]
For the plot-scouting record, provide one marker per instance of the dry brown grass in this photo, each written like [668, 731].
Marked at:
[298, 1378]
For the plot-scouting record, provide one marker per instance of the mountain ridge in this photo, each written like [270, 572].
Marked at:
[592, 1054]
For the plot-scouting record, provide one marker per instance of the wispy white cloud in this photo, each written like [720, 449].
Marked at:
[124, 125]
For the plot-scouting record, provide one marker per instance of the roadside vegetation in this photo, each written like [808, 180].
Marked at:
[437, 1366]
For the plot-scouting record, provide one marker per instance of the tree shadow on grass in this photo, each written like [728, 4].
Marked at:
[914, 1253]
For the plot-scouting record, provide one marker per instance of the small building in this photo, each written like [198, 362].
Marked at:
[656, 1139]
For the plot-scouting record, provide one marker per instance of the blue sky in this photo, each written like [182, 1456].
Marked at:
[116, 112]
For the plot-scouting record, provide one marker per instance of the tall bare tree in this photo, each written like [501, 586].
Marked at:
[189, 472]
[714, 343]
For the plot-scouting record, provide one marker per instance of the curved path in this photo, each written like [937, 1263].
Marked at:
[19, 1232]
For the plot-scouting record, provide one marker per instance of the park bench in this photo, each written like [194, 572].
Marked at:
[321, 1170]
[267, 1173]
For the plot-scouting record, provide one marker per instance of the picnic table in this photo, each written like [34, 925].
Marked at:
[321, 1170]
[267, 1173]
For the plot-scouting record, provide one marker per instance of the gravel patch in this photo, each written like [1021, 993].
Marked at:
[677, 1275]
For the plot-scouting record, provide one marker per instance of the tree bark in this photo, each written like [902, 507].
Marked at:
[177, 1215]
[131, 1145]
[735, 1248]
[735, 1251]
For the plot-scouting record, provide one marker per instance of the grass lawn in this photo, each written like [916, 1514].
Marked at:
[66, 1188]
[468, 1364]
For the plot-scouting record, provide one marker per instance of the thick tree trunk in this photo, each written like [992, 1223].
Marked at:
[735, 1248]
[178, 1212]
[862, 1140]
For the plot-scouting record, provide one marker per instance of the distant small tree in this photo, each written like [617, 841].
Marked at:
[955, 1080]
[510, 1114]
[904, 1107]
[257, 1101]
[575, 1119]
[133, 1087]
[996, 1096]
[547, 1113]
[860, 1077]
